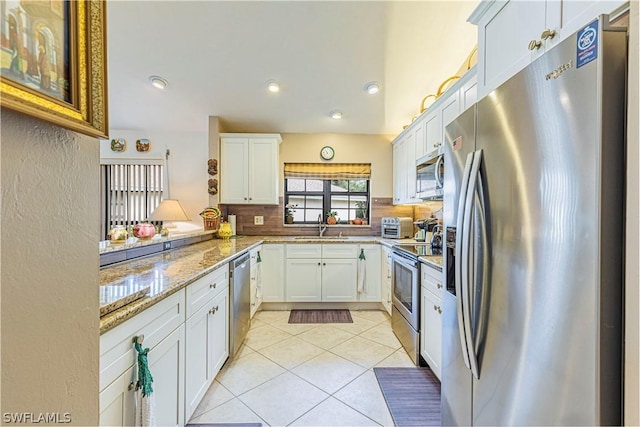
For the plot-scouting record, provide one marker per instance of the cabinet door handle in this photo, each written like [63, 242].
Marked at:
[548, 34]
[324, 263]
[439, 310]
[318, 263]
[250, 198]
[213, 310]
[535, 44]
[435, 308]
[439, 286]
[245, 198]
[213, 285]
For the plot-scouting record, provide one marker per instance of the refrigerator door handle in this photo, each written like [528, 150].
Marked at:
[466, 273]
[459, 253]
[482, 278]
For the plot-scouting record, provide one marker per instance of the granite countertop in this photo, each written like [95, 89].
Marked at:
[130, 287]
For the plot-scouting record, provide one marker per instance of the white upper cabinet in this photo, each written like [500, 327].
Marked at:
[511, 34]
[426, 135]
[249, 168]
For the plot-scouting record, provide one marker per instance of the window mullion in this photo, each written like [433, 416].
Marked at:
[326, 198]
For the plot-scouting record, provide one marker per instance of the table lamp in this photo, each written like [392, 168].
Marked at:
[169, 210]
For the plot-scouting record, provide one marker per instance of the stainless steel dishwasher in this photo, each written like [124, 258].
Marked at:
[240, 301]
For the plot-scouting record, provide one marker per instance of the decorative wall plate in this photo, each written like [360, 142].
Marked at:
[143, 145]
[118, 145]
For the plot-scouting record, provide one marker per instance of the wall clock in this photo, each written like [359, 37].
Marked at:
[327, 153]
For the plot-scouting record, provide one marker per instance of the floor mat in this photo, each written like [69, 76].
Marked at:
[412, 395]
[226, 425]
[320, 316]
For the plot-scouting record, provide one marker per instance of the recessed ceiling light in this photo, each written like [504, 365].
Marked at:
[158, 82]
[273, 87]
[372, 88]
[336, 114]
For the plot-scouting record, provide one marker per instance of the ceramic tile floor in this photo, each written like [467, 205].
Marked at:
[306, 374]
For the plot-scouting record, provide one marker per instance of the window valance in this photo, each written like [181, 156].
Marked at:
[333, 171]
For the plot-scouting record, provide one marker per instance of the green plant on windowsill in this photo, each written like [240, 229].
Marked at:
[289, 210]
[332, 217]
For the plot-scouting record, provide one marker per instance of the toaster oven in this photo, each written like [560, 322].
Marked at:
[396, 227]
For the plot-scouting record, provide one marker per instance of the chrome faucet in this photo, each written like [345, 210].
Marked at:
[321, 228]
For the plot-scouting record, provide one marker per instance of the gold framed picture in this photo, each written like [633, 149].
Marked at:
[53, 62]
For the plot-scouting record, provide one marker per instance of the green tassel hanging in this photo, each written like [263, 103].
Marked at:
[362, 255]
[259, 259]
[144, 375]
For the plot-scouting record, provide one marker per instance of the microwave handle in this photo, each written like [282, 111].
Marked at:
[439, 183]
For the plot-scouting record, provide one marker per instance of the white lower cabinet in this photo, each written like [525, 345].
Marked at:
[372, 273]
[256, 279]
[272, 272]
[339, 280]
[317, 272]
[166, 363]
[117, 404]
[208, 342]
[385, 260]
[431, 318]
[304, 280]
[431, 331]
[188, 337]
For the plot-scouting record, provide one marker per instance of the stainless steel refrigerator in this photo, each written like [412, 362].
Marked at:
[533, 213]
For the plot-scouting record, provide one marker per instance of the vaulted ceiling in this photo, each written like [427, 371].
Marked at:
[218, 56]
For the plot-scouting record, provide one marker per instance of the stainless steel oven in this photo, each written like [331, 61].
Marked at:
[405, 315]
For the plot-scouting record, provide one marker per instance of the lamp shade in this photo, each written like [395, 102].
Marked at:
[169, 210]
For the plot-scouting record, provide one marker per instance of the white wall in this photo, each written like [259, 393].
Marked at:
[187, 163]
[349, 148]
[49, 270]
[632, 292]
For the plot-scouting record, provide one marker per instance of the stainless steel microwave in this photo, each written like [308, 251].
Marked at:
[430, 177]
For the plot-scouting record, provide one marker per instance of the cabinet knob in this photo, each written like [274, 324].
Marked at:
[548, 34]
[324, 263]
[439, 286]
[318, 263]
[435, 307]
[250, 198]
[213, 310]
[245, 198]
[213, 285]
[439, 310]
[535, 44]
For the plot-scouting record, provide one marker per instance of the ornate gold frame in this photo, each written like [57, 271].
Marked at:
[87, 113]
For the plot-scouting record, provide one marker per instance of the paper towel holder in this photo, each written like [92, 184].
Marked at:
[232, 220]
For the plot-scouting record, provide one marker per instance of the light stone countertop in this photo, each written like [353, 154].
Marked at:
[167, 272]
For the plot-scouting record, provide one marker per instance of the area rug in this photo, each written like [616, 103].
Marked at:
[226, 425]
[412, 395]
[320, 316]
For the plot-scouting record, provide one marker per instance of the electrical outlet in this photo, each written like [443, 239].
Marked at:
[258, 220]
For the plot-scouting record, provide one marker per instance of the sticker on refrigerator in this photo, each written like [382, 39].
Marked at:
[587, 44]
[457, 143]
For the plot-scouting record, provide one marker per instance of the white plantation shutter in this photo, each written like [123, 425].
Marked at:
[129, 192]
